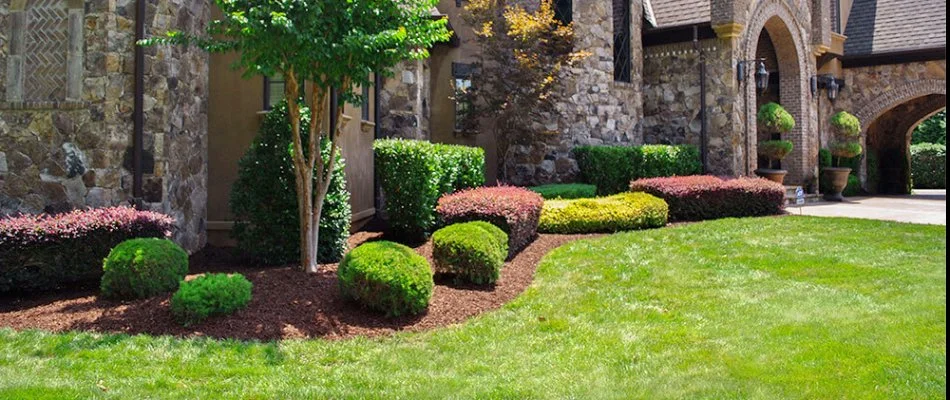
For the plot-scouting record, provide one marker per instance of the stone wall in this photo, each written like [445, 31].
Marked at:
[404, 101]
[59, 152]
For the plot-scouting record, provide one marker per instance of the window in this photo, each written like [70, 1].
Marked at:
[364, 106]
[462, 74]
[564, 11]
[274, 87]
[836, 16]
[622, 58]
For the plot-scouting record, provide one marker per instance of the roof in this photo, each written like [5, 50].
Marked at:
[885, 26]
[670, 13]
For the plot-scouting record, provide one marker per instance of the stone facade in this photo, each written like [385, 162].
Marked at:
[405, 100]
[60, 151]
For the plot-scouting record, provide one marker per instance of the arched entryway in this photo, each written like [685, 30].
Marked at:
[775, 34]
[888, 143]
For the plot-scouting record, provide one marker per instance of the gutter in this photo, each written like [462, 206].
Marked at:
[138, 109]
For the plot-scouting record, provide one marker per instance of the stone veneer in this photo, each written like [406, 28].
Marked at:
[63, 152]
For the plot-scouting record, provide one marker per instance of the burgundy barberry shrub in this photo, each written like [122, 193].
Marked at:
[696, 198]
[41, 252]
[513, 209]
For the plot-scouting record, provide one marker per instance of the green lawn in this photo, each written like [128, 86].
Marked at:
[792, 307]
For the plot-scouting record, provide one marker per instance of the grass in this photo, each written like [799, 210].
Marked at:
[793, 307]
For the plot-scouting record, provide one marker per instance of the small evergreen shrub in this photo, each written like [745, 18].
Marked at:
[928, 166]
[386, 277]
[210, 295]
[846, 150]
[620, 212]
[414, 174]
[696, 198]
[845, 125]
[611, 168]
[772, 117]
[264, 197]
[775, 150]
[472, 251]
[515, 210]
[43, 252]
[565, 191]
[142, 268]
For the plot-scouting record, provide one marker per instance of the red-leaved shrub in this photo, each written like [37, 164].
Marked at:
[701, 197]
[39, 252]
[513, 209]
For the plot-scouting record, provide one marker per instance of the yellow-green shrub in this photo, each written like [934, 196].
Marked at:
[621, 212]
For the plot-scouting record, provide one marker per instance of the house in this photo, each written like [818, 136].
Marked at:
[88, 119]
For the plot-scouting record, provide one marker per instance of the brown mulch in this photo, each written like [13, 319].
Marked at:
[286, 303]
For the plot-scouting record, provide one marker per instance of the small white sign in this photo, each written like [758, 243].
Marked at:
[799, 197]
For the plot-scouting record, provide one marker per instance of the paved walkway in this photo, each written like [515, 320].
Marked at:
[922, 207]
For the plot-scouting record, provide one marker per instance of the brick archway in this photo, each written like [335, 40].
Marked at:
[872, 110]
[788, 33]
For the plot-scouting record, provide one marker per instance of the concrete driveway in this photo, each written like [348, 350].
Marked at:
[922, 207]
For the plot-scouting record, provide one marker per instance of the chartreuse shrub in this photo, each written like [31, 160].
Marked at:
[565, 191]
[43, 252]
[772, 117]
[471, 251]
[513, 209]
[620, 212]
[141, 268]
[774, 150]
[696, 198]
[210, 295]
[611, 168]
[264, 197]
[386, 277]
[414, 174]
[928, 166]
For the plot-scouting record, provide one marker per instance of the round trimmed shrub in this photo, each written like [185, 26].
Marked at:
[264, 197]
[846, 149]
[775, 118]
[141, 268]
[846, 125]
[775, 149]
[386, 277]
[210, 295]
[472, 251]
[621, 212]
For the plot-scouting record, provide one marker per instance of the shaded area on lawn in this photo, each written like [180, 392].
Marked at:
[286, 303]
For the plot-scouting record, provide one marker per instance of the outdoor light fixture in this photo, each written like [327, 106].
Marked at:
[827, 82]
[761, 74]
[762, 78]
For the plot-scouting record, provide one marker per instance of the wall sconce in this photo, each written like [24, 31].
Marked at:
[761, 74]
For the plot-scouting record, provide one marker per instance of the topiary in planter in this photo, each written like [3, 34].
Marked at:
[210, 295]
[845, 125]
[775, 150]
[472, 251]
[842, 150]
[141, 268]
[774, 118]
[387, 277]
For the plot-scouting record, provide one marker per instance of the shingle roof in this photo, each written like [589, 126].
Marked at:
[882, 26]
[671, 13]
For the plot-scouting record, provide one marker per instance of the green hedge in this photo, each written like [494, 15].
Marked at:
[210, 295]
[621, 212]
[565, 191]
[264, 198]
[414, 174]
[142, 268]
[928, 166]
[387, 277]
[612, 168]
[472, 251]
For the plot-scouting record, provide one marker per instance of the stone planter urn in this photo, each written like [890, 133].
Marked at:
[837, 178]
[774, 175]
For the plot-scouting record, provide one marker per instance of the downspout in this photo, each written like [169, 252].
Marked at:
[703, 132]
[138, 110]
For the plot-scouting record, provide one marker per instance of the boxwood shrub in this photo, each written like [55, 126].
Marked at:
[620, 212]
[472, 251]
[565, 191]
[142, 268]
[210, 295]
[264, 198]
[386, 277]
[928, 165]
[515, 210]
[702, 197]
[414, 174]
[611, 168]
[43, 252]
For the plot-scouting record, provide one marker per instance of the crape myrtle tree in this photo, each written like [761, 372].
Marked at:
[518, 73]
[321, 45]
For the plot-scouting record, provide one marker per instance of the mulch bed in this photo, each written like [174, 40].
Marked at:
[287, 303]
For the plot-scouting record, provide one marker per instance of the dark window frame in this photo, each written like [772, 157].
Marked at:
[623, 54]
[564, 11]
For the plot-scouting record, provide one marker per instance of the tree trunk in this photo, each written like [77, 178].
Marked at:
[314, 238]
[308, 242]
